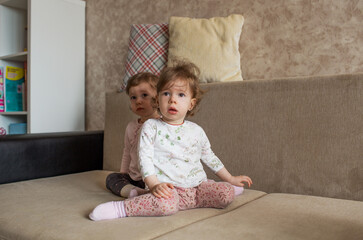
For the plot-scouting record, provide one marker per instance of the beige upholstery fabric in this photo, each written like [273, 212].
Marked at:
[118, 115]
[58, 208]
[301, 136]
[211, 44]
[282, 217]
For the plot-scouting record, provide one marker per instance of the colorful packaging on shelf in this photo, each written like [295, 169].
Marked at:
[14, 84]
[2, 92]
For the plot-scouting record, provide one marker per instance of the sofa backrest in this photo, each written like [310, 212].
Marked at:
[297, 135]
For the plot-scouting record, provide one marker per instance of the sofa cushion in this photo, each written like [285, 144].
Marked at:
[211, 44]
[148, 49]
[58, 208]
[282, 216]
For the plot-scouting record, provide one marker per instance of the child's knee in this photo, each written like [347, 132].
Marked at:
[111, 180]
[115, 177]
[225, 195]
[215, 194]
[115, 182]
[228, 194]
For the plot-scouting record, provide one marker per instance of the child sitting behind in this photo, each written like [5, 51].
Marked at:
[141, 89]
[170, 154]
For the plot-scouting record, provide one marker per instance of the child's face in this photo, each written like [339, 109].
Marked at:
[142, 99]
[175, 100]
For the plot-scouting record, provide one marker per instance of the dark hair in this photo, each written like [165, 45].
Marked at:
[138, 78]
[185, 71]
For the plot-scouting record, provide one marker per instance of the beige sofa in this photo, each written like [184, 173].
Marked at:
[300, 140]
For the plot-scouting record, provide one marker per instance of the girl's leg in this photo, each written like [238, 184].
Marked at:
[187, 198]
[144, 205]
[149, 205]
[122, 185]
[212, 194]
[116, 181]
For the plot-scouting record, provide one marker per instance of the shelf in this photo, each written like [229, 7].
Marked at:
[21, 57]
[14, 113]
[23, 24]
[22, 4]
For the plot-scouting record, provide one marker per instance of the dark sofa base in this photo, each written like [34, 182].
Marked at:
[25, 157]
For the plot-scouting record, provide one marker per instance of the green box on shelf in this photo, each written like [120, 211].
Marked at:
[17, 128]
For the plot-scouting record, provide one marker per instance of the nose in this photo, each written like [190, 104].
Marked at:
[138, 100]
[172, 99]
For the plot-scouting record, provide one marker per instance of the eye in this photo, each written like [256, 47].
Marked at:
[144, 95]
[132, 97]
[181, 95]
[166, 94]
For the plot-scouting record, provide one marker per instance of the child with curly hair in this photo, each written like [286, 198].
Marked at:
[141, 89]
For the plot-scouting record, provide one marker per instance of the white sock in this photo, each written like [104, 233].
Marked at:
[130, 191]
[133, 193]
[238, 190]
[109, 210]
[137, 192]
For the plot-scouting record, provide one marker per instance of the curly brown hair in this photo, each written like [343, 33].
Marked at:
[186, 71]
[141, 77]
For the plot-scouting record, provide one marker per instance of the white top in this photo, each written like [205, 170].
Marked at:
[173, 153]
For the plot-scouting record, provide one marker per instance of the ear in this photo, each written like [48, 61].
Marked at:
[193, 101]
[155, 102]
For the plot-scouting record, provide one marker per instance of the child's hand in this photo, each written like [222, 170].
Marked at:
[162, 190]
[234, 180]
[239, 181]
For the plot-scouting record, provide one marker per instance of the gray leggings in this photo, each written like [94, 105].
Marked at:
[116, 181]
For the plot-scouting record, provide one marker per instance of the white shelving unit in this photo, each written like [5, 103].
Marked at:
[50, 36]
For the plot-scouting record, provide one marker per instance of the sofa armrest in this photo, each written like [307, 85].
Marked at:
[24, 157]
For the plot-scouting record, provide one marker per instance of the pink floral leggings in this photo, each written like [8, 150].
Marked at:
[208, 194]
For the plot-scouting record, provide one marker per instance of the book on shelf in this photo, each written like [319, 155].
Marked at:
[14, 89]
[2, 92]
[25, 88]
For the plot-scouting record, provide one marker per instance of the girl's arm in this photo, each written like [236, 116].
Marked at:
[126, 158]
[234, 180]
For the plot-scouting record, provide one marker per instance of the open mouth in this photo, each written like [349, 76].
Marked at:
[139, 109]
[172, 110]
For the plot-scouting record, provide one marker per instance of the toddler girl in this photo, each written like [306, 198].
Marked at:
[141, 89]
[170, 150]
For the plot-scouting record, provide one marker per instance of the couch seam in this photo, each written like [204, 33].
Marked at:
[176, 229]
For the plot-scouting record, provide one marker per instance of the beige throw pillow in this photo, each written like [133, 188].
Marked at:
[211, 44]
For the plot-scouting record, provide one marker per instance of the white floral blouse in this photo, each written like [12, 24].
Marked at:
[174, 153]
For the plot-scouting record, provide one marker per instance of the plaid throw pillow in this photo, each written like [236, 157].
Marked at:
[148, 50]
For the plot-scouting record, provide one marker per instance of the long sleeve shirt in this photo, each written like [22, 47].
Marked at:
[174, 153]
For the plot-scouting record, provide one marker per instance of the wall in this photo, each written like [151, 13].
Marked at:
[279, 39]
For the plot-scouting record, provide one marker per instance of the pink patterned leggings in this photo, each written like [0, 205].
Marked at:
[208, 194]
